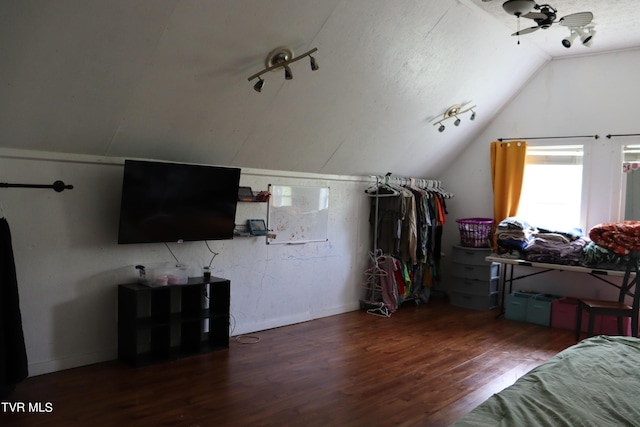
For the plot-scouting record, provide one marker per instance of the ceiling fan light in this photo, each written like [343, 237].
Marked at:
[586, 37]
[568, 41]
[588, 40]
[518, 7]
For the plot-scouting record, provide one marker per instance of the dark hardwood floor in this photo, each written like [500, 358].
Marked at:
[426, 365]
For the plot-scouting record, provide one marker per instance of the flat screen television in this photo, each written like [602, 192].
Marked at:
[174, 202]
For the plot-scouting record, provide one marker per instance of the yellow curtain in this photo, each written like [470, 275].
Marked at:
[507, 172]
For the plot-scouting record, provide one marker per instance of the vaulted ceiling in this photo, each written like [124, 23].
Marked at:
[167, 79]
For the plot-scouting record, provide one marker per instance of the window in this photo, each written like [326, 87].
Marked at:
[631, 155]
[552, 187]
[631, 181]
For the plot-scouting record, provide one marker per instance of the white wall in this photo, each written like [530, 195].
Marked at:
[69, 264]
[580, 96]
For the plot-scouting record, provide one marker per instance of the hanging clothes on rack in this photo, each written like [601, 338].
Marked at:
[407, 217]
[13, 354]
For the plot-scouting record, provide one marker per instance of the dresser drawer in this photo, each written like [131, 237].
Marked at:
[475, 287]
[479, 272]
[472, 256]
[474, 302]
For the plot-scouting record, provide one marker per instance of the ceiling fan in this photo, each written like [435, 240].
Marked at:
[544, 16]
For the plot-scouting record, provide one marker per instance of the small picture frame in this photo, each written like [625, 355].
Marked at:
[257, 227]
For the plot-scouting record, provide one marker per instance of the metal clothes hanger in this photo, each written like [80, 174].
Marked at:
[382, 188]
[446, 194]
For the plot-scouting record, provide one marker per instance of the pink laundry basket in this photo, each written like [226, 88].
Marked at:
[475, 232]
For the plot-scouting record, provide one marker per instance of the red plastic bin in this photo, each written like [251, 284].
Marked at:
[564, 312]
[608, 325]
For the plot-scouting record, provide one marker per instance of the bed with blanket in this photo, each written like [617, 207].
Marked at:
[593, 383]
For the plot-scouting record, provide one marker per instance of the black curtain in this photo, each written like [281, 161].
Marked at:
[13, 354]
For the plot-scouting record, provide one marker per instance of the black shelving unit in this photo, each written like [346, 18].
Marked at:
[170, 322]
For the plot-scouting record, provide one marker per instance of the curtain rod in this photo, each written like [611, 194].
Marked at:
[57, 186]
[549, 137]
[623, 134]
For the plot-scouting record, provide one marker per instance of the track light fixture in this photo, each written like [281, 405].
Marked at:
[258, 86]
[281, 58]
[314, 64]
[586, 36]
[288, 75]
[454, 111]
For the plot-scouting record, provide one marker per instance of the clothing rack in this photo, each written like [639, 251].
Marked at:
[57, 186]
[548, 137]
[378, 275]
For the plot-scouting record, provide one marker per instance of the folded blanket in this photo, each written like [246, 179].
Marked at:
[571, 234]
[513, 234]
[555, 252]
[512, 244]
[555, 237]
[621, 238]
[514, 223]
[599, 257]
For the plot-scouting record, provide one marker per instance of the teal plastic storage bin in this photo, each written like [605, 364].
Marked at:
[539, 309]
[516, 305]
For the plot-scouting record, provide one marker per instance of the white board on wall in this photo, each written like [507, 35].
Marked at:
[298, 214]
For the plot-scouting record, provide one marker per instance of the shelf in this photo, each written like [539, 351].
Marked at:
[242, 230]
[165, 323]
[259, 197]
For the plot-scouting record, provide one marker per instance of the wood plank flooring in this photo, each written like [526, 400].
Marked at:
[427, 365]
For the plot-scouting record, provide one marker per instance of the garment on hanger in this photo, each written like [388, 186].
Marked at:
[391, 211]
[13, 354]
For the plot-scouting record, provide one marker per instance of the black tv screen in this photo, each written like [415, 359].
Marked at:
[173, 202]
